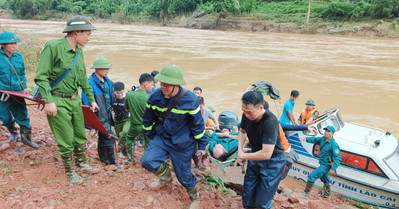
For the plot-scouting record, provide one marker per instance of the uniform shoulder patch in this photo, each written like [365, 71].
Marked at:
[336, 151]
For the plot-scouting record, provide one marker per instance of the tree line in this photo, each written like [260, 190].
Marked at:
[130, 10]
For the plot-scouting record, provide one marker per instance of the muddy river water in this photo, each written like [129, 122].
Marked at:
[358, 75]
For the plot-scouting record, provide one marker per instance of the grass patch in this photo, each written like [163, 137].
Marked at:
[217, 183]
[359, 204]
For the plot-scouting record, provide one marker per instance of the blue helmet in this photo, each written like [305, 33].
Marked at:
[8, 37]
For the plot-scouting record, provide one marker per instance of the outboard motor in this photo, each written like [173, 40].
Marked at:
[227, 120]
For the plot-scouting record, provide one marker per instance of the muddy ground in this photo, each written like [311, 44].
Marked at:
[31, 178]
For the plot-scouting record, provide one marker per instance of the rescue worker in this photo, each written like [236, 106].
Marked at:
[266, 158]
[102, 91]
[63, 104]
[309, 115]
[13, 79]
[175, 134]
[329, 160]
[135, 103]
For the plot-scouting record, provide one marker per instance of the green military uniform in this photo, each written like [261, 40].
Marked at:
[135, 102]
[68, 125]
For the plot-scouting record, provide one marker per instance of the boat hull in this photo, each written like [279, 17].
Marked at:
[350, 189]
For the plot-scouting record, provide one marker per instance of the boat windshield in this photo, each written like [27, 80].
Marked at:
[331, 121]
[393, 162]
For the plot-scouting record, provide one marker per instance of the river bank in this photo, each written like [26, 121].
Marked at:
[203, 21]
[200, 20]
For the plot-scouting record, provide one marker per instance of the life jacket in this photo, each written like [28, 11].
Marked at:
[284, 140]
[305, 116]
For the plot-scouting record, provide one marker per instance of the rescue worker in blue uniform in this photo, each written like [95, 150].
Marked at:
[102, 92]
[175, 135]
[329, 160]
[266, 158]
[12, 78]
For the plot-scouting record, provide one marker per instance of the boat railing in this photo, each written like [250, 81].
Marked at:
[324, 115]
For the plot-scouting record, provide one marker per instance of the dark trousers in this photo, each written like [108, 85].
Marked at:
[261, 181]
[158, 151]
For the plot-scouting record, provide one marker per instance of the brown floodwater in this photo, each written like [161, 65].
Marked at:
[358, 75]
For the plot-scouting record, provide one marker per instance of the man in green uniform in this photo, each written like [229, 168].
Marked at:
[135, 103]
[63, 104]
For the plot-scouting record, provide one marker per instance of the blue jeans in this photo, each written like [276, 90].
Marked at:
[261, 181]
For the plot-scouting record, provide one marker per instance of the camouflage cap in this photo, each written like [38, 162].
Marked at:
[78, 22]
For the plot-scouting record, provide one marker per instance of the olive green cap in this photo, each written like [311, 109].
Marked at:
[78, 22]
[101, 63]
[211, 108]
[171, 74]
[310, 102]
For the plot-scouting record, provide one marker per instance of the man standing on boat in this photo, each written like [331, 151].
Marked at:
[308, 115]
[287, 120]
[287, 117]
[266, 158]
[329, 160]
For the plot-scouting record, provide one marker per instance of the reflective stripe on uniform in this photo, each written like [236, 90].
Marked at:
[199, 135]
[174, 110]
[149, 128]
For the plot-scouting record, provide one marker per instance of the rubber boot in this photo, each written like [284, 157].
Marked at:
[165, 177]
[308, 187]
[110, 154]
[102, 153]
[130, 148]
[26, 134]
[326, 191]
[70, 172]
[13, 131]
[194, 197]
[81, 161]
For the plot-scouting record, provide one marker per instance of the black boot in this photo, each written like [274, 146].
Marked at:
[13, 131]
[102, 153]
[110, 154]
[308, 187]
[26, 137]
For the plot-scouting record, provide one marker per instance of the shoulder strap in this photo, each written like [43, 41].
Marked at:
[59, 79]
[321, 148]
[164, 114]
[20, 82]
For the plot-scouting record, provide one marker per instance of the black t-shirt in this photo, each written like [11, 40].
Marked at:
[118, 105]
[266, 131]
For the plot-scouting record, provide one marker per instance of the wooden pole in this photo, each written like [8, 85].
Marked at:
[307, 18]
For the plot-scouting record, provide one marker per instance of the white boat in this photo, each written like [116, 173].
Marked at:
[369, 170]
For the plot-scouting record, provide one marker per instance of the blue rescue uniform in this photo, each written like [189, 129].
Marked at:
[14, 109]
[102, 92]
[329, 149]
[176, 136]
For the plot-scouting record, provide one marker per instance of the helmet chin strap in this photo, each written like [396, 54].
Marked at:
[170, 95]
